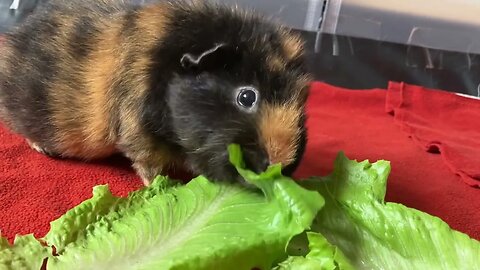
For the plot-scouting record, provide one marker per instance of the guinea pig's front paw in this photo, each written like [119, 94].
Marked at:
[42, 150]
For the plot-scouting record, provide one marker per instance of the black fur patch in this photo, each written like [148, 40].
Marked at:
[130, 21]
[81, 40]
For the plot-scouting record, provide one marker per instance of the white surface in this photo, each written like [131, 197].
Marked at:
[15, 4]
[468, 96]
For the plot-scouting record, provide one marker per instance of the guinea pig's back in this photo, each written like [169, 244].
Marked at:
[47, 67]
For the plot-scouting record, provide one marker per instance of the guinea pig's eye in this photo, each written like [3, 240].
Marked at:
[247, 97]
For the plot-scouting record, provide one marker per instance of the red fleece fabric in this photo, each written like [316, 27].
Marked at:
[35, 190]
[442, 122]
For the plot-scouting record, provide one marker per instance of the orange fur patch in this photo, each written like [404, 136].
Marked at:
[152, 20]
[101, 69]
[292, 45]
[279, 131]
[275, 63]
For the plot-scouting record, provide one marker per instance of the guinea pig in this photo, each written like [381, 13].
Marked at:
[169, 83]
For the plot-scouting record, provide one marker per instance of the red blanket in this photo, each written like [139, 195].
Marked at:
[35, 190]
[440, 123]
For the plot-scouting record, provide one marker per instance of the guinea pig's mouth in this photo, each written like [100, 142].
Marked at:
[215, 163]
[256, 160]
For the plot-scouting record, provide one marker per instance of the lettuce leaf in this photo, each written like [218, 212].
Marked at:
[200, 225]
[321, 256]
[71, 226]
[26, 253]
[377, 235]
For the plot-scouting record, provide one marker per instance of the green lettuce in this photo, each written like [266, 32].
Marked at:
[377, 235]
[26, 253]
[321, 256]
[200, 225]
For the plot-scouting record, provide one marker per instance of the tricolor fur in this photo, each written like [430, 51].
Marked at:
[87, 78]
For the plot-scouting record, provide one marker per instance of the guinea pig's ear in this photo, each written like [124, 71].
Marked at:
[219, 56]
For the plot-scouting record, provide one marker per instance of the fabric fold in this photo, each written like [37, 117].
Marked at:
[440, 122]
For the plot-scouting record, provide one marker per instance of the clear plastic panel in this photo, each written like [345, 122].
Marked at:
[451, 25]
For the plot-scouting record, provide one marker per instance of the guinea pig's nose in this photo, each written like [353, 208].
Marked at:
[263, 165]
[258, 165]
[256, 159]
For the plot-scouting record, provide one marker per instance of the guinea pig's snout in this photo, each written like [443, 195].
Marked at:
[256, 161]
[261, 166]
